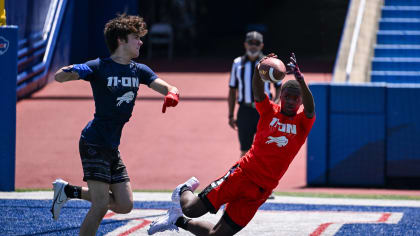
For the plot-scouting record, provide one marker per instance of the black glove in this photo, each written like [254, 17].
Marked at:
[293, 68]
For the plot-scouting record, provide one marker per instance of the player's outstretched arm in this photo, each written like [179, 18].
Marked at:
[62, 76]
[72, 72]
[257, 82]
[171, 92]
[307, 98]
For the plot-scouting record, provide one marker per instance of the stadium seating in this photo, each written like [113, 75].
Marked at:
[397, 52]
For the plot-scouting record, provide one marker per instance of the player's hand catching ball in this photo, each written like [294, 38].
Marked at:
[265, 58]
[171, 100]
[293, 68]
[271, 69]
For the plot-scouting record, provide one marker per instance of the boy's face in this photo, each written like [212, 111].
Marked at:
[291, 100]
[132, 46]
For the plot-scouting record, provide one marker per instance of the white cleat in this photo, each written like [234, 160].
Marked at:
[192, 183]
[166, 222]
[60, 197]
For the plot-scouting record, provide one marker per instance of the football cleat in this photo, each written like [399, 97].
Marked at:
[192, 183]
[166, 222]
[60, 197]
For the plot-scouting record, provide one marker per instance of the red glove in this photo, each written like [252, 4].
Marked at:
[171, 100]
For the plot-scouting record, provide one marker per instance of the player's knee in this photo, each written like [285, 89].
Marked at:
[126, 207]
[189, 211]
[100, 204]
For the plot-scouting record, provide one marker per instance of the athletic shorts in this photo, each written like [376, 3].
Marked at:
[102, 164]
[241, 196]
[247, 121]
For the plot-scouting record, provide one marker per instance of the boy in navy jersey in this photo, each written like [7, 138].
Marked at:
[115, 82]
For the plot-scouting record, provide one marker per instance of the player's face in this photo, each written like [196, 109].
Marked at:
[291, 100]
[132, 45]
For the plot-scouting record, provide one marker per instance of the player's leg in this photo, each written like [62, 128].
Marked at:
[197, 227]
[99, 197]
[209, 200]
[238, 212]
[122, 195]
[122, 198]
[191, 205]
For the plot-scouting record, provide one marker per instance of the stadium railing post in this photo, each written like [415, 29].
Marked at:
[8, 76]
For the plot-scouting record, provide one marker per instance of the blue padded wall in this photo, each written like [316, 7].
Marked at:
[357, 135]
[8, 73]
[403, 128]
[350, 98]
[357, 150]
[318, 139]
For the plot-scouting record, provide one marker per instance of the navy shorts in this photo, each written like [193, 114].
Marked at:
[247, 121]
[102, 164]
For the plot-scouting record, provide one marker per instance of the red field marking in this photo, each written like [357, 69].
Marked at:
[109, 215]
[384, 217]
[320, 229]
[135, 228]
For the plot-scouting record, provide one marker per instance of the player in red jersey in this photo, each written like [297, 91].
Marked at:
[281, 132]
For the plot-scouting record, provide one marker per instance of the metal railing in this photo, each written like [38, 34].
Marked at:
[36, 51]
[354, 39]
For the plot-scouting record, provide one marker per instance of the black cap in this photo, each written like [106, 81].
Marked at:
[254, 35]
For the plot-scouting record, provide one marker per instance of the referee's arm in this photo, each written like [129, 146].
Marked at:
[231, 101]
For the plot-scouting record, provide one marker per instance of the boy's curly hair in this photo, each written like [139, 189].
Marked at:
[120, 27]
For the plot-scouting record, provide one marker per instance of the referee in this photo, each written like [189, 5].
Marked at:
[240, 91]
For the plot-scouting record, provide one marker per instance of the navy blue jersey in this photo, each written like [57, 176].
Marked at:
[114, 88]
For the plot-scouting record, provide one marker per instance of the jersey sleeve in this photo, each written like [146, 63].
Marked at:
[146, 75]
[233, 82]
[277, 85]
[94, 66]
[305, 122]
[265, 107]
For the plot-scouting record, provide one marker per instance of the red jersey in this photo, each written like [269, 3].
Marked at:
[277, 141]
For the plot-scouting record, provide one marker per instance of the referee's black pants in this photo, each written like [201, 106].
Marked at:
[247, 121]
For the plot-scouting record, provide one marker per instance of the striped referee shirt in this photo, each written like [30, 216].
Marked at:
[241, 79]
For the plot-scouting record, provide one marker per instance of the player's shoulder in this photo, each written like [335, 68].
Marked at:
[141, 66]
[94, 62]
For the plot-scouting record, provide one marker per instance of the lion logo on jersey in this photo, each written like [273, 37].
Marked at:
[281, 141]
[126, 97]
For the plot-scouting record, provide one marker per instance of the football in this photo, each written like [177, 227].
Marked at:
[272, 70]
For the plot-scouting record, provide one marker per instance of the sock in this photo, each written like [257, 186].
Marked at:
[182, 222]
[73, 191]
[183, 189]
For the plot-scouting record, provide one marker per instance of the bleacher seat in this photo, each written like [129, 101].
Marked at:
[397, 52]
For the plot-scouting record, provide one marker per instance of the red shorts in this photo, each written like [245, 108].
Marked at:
[241, 196]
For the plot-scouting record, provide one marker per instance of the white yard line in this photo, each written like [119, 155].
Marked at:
[157, 196]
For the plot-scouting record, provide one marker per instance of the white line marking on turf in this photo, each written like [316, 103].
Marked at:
[145, 196]
[314, 223]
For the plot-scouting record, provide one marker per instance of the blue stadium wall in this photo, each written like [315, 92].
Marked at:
[365, 136]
